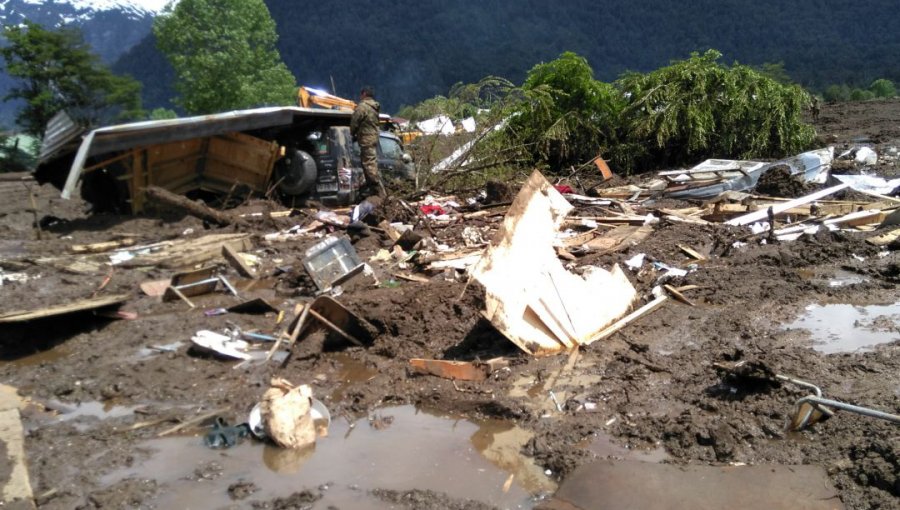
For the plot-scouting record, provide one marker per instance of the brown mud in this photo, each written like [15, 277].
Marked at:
[102, 390]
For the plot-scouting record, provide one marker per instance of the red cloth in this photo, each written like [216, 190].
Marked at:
[562, 188]
[433, 209]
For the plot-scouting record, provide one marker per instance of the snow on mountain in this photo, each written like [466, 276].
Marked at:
[147, 6]
[110, 27]
[73, 11]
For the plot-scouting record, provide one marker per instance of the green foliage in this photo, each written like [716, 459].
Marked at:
[836, 93]
[565, 116]
[880, 88]
[438, 105]
[699, 108]
[57, 72]
[679, 114]
[224, 55]
[464, 100]
[163, 114]
[13, 156]
[883, 88]
[861, 95]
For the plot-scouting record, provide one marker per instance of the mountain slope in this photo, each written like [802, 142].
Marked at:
[111, 27]
[413, 50]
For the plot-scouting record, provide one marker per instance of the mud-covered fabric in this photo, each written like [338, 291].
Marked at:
[364, 128]
[369, 159]
[364, 122]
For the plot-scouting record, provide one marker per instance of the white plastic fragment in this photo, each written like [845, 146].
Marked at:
[866, 155]
[636, 262]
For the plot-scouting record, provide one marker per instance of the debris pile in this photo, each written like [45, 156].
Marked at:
[277, 292]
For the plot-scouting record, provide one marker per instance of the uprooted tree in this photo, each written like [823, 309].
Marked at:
[224, 55]
[57, 71]
[565, 116]
[562, 117]
[699, 108]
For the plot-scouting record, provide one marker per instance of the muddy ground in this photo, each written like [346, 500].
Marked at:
[650, 390]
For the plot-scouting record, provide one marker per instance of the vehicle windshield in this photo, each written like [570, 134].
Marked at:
[390, 148]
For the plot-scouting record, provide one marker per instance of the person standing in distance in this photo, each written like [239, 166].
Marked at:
[364, 129]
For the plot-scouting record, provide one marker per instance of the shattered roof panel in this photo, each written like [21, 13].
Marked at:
[125, 136]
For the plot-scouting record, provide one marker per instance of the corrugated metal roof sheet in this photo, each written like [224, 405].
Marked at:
[61, 131]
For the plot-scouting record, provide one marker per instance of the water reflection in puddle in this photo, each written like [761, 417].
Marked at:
[849, 328]
[51, 355]
[602, 446]
[419, 450]
[844, 278]
[350, 371]
[88, 414]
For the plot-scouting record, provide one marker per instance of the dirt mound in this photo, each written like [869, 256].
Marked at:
[778, 182]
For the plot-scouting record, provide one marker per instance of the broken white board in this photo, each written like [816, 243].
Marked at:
[529, 296]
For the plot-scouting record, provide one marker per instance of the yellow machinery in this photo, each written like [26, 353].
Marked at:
[308, 97]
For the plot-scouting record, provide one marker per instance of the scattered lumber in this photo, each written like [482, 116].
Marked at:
[777, 209]
[884, 239]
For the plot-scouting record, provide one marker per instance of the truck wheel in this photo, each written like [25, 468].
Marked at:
[296, 173]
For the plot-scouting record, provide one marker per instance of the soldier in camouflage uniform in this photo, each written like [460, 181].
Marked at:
[364, 128]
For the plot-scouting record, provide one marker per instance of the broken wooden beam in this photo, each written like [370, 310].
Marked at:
[778, 209]
[196, 209]
[691, 252]
[334, 327]
[101, 247]
[234, 258]
[458, 370]
[884, 239]
[633, 316]
[15, 486]
[678, 295]
[78, 306]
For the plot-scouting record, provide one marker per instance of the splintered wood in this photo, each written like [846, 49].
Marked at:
[529, 296]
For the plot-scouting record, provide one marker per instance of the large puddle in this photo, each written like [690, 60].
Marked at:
[405, 448]
[849, 328]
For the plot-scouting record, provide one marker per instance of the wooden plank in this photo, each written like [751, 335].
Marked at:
[762, 215]
[412, 278]
[619, 238]
[190, 252]
[678, 295]
[684, 218]
[138, 179]
[603, 168]
[691, 252]
[236, 261]
[884, 239]
[579, 239]
[858, 218]
[15, 486]
[332, 326]
[457, 370]
[77, 306]
[101, 247]
[633, 316]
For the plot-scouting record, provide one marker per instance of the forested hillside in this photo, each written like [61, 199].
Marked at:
[413, 50]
